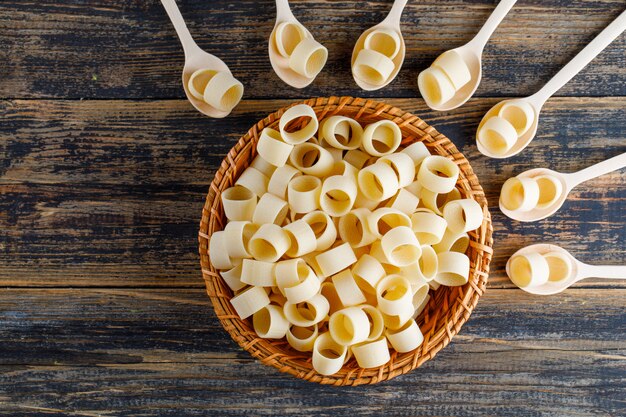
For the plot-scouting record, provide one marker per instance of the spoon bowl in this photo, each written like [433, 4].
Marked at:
[398, 60]
[539, 213]
[473, 61]
[280, 64]
[203, 60]
[550, 287]
[522, 141]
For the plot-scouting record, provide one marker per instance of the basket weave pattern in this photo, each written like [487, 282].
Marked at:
[448, 308]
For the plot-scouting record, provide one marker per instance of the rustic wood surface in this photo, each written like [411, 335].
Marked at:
[104, 167]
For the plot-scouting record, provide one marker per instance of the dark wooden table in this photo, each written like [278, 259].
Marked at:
[104, 167]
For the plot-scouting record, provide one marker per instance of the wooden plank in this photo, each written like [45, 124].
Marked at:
[167, 143]
[84, 49]
[162, 352]
[109, 193]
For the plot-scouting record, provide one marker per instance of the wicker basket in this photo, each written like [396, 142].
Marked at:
[448, 308]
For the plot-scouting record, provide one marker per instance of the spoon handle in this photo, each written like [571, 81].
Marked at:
[283, 11]
[184, 36]
[604, 167]
[608, 271]
[580, 61]
[395, 14]
[483, 35]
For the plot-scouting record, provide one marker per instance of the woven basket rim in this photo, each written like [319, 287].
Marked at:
[449, 307]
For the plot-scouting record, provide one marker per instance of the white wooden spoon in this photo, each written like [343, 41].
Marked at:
[390, 23]
[577, 270]
[471, 53]
[530, 107]
[195, 59]
[567, 183]
[280, 64]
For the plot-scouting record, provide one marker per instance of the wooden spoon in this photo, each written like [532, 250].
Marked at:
[567, 183]
[534, 103]
[392, 24]
[471, 53]
[280, 64]
[577, 270]
[195, 59]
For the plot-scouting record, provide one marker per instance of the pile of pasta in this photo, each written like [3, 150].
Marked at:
[335, 236]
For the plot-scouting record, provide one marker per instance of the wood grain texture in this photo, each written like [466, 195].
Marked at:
[104, 169]
[109, 193]
[156, 352]
[128, 49]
